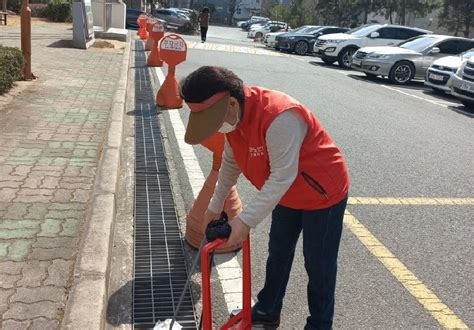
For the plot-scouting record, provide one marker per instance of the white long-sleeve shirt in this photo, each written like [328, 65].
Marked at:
[284, 138]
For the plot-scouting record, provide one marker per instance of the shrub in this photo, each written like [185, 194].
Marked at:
[58, 11]
[11, 67]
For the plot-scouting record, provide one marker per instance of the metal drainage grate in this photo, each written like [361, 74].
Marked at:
[159, 265]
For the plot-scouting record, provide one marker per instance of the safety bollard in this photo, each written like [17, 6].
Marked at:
[172, 51]
[142, 26]
[195, 225]
[149, 41]
[157, 32]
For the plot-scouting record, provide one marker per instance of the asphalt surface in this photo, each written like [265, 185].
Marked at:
[399, 142]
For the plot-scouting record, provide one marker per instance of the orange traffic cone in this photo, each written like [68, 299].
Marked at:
[168, 96]
[149, 40]
[195, 225]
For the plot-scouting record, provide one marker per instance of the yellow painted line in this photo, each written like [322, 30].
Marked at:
[409, 201]
[438, 310]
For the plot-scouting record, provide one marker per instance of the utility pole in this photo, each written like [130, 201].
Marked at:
[26, 39]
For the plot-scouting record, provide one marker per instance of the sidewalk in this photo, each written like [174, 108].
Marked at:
[52, 136]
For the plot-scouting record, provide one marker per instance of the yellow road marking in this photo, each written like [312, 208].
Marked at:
[438, 310]
[409, 201]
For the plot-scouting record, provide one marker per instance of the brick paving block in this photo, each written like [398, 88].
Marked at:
[4, 248]
[35, 192]
[67, 206]
[63, 195]
[11, 268]
[50, 182]
[63, 214]
[71, 227]
[4, 295]
[22, 170]
[33, 273]
[37, 211]
[49, 254]
[44, 324]
[50, 228]
[10, 184]
[14, 325]
[19, 249]
[49, 168]
[88, 171]
[6, 169]
[59, 273]
[81, 195]
[19, 224]
[8, 194]
[72, 171]
[32, 182]
[78, 179]
[54, 242]
[74, 185]
[16, 210]
[32, 295]
[17, 233]
[9, 281]
[22, 311]
[33, 199]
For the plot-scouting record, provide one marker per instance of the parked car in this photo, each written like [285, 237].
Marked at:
[254, 20]
[462, 83]
[411, 59]
[303, 42]
[270, 38]
[132, 17]
[272, 26]
[443, 69]
[173, 18]
[341, 46]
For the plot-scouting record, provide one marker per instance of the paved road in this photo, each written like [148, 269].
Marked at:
[410, 158]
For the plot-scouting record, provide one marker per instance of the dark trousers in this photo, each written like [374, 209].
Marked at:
[203, 33]
[321, 236]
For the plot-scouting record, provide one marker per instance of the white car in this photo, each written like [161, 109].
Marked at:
[445, 68]
[341, 46]
[462, 83]
[260, 31]
[270, 38]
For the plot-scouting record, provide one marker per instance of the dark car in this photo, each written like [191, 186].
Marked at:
[248, 25]
[302, 43]
[132, 16]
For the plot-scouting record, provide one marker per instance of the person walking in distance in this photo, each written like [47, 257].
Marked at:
[204, 18]
[286, 153]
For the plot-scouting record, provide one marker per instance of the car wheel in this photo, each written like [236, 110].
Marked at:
[345, 57]
[258, 35]
[401, 73]
[370, 76]
[301, 47]
[328, 62]
[469, 105]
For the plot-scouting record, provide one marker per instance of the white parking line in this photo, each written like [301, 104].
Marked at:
[415, 96]
[227, 266]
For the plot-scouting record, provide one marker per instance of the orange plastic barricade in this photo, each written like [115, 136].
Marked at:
[142, 26]
[173, 51]
[149, 24]
[157, 31]
[195, 225]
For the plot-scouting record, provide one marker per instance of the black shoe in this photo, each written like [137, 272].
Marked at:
[263, 321]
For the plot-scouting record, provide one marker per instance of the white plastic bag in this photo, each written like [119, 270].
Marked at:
[165, 325]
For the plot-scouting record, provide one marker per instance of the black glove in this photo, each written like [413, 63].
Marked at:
[218, 228]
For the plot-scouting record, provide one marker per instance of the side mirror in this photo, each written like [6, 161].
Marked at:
[374, 35]
[435, 50]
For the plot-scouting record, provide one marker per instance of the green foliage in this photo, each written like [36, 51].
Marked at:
[11, 67]
[58, 11]
[420, 8]
[14, 5]
[457, 15]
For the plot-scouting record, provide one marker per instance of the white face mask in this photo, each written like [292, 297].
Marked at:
[227, 128]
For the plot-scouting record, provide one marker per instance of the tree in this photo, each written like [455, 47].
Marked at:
[402, 7]
[4, 5]
[457, 15]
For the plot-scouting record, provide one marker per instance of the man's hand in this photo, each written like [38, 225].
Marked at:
[208, 217]
[240, 232]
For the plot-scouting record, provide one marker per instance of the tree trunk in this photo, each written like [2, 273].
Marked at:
[467, 21]
[4, 5]
[403, 13]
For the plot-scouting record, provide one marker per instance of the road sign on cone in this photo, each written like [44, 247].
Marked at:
[173, 51]
[142, 26]
[157, 31]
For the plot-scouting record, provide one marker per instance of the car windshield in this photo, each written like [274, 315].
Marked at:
[418, 43]
[363, 31]
[468, 54]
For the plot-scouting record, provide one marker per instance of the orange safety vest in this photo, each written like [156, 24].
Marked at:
[322, 179]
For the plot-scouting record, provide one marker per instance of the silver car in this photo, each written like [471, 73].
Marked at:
[410, 59]
[444, 69]
[462, 83]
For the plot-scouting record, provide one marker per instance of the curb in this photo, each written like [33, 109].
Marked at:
[87, 301]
